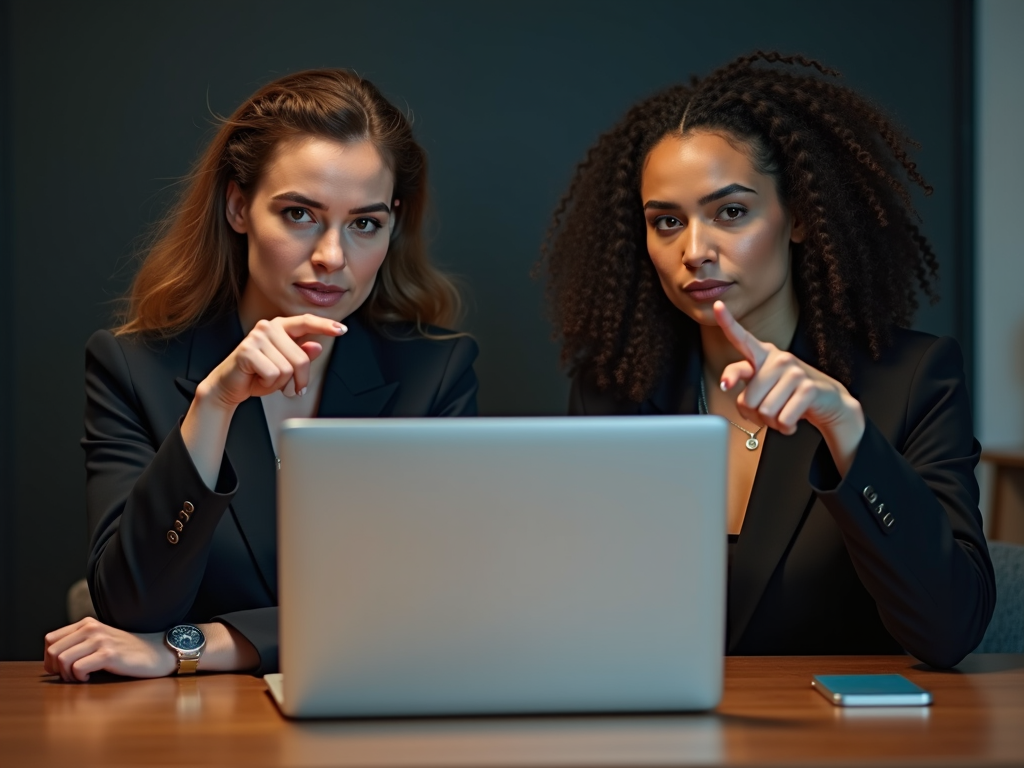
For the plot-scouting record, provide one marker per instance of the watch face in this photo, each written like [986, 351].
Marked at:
[185, 637]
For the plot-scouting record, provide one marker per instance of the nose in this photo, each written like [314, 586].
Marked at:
[329, 253]
[698, 246]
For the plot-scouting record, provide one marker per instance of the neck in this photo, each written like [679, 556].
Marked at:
[773, 322]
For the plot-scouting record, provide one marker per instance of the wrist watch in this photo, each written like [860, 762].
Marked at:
[188, 642]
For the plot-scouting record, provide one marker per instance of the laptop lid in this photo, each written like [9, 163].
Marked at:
[518, 565]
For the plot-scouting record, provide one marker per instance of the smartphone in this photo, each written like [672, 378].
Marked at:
[871, 691]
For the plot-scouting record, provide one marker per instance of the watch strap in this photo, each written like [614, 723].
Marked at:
[188, 666]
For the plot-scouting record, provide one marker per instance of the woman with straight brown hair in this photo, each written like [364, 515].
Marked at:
[291, 280]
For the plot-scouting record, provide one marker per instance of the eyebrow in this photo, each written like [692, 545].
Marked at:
[724, 192]
[295, 197]
[375, 208]
[661, 205]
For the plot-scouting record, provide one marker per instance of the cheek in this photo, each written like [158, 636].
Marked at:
[271, 252]
[365, 267]
[663, 256]
[760, 252]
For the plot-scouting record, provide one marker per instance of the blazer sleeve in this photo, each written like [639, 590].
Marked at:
[259, 627]
[137, 485]
[910, 519]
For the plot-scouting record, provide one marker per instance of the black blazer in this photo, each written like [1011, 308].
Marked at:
[816, 568]
[139, 473]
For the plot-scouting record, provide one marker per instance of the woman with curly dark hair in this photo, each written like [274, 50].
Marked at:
[744, 246]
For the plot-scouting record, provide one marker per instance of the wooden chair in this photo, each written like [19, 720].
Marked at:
[1006, 518]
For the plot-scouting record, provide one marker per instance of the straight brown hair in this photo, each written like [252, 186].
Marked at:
[197, 265]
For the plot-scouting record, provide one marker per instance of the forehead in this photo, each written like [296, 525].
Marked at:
[327, 167]
[699, 163]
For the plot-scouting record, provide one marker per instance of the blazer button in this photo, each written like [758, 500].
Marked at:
[870, 495]
[172, 537]
[187, 506]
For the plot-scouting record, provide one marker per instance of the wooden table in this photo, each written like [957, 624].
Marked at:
[768, 716]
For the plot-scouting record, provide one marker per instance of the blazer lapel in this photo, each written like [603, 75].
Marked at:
[255, 504]
[779, 500]
[354, 385]
[248, 448]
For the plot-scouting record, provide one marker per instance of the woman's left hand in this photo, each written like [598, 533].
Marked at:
[781, 390]
[77, 650]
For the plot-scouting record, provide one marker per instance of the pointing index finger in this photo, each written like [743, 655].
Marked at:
[311, 325]
[740, 337]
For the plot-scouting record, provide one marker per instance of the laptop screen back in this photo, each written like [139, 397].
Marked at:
[477, 566]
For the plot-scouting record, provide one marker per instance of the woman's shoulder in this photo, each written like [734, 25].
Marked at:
[404, 347]
[133, 354]
[909, 350]
[913, 373]
[424, 339]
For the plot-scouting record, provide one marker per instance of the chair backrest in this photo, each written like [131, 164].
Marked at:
[1006, 631]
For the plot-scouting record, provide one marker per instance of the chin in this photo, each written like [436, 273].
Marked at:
[700, 313]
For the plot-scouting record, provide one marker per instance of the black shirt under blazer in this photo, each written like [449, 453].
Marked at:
[139, 473]
[816, 568]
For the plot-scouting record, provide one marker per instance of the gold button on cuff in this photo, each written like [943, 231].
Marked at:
[187, 506]
[172, 536]
[178, 526]
[183, 515]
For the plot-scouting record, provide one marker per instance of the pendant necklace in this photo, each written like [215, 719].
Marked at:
[752, 442]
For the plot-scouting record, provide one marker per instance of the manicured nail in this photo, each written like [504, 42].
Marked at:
[723, 386]
[303, 391]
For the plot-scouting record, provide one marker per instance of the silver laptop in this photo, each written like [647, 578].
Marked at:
[501, 566]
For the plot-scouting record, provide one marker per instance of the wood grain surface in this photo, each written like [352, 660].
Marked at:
[769, 715]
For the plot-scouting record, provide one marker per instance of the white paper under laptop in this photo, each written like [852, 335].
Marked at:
[520, 565]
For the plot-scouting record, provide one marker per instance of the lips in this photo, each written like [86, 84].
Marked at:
[707, 290]
[320, 294]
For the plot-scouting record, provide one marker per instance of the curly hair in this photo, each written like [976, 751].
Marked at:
[837, 162]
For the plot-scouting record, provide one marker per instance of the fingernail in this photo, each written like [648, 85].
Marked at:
[303, 391]
[723, 386]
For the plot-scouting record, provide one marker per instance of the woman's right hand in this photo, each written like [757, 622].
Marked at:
[269, 359]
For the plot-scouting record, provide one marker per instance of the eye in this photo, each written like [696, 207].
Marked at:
[732, 212]
[666, 223]
[366, 225]
[298, 215]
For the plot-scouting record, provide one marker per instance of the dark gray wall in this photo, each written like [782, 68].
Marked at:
[110, 103]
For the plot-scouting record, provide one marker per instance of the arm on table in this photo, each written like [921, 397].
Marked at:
[929, 573]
